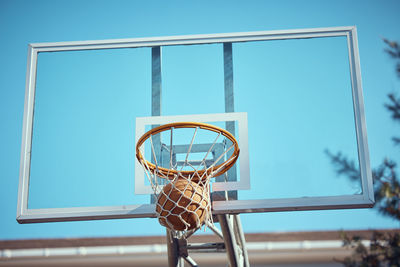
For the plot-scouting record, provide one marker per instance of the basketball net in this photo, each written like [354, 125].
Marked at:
[182, 188]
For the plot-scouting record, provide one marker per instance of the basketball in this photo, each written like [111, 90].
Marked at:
[182, 205]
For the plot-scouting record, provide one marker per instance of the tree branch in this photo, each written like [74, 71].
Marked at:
[394, 107]
[344, 166]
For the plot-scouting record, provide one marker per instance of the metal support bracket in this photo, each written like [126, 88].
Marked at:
[234, 244]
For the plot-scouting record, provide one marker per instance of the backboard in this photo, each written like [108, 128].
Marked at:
[291, 98]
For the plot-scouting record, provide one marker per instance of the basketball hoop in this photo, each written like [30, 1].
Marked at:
[183, 196]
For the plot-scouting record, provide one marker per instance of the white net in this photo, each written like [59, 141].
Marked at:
[180, 174]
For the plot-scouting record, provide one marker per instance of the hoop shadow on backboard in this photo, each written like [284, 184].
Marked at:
[327, 110]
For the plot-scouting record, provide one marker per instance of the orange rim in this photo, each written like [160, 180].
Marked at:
[170, 173]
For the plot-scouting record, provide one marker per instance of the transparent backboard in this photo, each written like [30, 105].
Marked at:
[293, 99]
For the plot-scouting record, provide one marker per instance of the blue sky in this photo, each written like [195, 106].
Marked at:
[23, 22]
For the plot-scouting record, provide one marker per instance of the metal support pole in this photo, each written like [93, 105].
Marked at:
[230, 240]
[156, 94]
[189, 260]
[207, 247]
[229, 106]
[156, 81]
[174, 259]
[215, 230]
[234, 240]
[228, 78]
[156, 102]
[241, 239]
